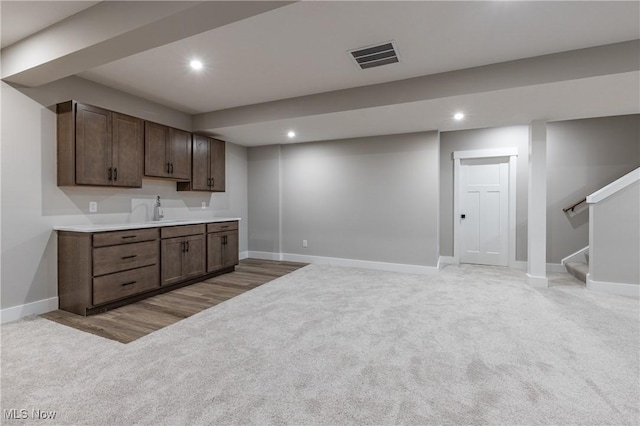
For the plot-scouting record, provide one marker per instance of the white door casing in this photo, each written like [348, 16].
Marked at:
[485, 191]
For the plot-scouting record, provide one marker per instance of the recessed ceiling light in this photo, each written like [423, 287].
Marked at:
[291, 134]
[458, 116]
[196, 64]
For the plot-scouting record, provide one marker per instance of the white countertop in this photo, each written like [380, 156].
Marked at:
[140, 225]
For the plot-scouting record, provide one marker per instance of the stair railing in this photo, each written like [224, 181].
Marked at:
[573, 206]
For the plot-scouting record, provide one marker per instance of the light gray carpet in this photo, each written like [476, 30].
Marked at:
[329, 345]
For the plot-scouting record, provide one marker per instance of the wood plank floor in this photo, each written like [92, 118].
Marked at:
[133, 321]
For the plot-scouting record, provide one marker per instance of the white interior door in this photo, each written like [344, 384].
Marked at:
[484, 211]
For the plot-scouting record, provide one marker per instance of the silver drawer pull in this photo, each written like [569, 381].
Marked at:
[129, 283]
[129, 257]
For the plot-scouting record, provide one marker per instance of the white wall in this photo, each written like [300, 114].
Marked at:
[615, 248]
[367, 199]
[582, 157]
[464, 140]
[32, 203]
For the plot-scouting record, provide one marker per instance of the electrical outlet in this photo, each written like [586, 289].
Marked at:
[93, 207]
[204, 205]
[304, 243]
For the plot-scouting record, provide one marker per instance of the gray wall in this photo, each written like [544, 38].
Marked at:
[464, 140]
[616, 238]
[365, 198]
[32, 203]
[582, 157]
[264, 198]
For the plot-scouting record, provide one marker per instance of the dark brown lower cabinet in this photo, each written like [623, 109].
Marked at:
[101, 270]
[222, 245]
[104, 267]
[171, 251]
[214, 252]
[183, 258]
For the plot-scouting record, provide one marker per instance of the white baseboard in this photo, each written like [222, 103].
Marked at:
[551, 267]
[519, 265]
[556, 267]
[33, 308]
[447, 260]
[243, 255]
[450, 260]
[264, 255]
[352, 263]
[621, 289]
[522, 265]
[538, 282]
[365, 264]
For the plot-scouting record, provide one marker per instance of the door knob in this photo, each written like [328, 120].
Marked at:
[463, 216]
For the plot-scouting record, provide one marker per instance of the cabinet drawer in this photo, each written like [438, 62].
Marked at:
[181, 231]
[126, 256]
[121, 237]
[222, 226]
[124, 284]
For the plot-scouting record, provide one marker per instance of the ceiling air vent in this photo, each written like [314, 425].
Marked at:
[375, 56]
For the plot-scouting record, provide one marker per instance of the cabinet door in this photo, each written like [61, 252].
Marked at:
[171, 260]
[230, 249]
[93, 145]
[180, 154]
[200, 173]
[194, 257]
[156, 141]
[217, 165]
[214, 252]
[128, 151]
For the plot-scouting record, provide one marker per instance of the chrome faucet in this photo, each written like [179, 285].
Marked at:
[157, 210]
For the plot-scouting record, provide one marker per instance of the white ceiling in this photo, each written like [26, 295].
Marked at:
[301, 49]
[23, 18]
[613, 95]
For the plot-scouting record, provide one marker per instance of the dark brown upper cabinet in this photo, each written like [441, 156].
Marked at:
[98, 147]
[167, 152]
[208, 169]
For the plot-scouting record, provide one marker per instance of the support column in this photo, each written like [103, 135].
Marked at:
[537, 220]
